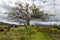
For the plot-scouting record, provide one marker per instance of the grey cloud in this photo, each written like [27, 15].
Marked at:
[6, 7]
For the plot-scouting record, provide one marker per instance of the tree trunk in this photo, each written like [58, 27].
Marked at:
[28, 23]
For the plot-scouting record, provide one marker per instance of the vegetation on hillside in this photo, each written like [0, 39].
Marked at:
[29, 33]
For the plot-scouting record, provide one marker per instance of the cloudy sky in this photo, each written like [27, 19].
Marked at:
[50, 6]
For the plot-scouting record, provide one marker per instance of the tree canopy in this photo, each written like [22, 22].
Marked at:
[27, 12]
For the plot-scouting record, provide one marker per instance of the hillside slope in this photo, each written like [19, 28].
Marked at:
[21, 33]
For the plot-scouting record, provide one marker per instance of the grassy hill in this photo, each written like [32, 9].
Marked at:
[25, 33]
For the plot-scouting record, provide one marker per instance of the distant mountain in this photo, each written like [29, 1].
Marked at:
[2, 23]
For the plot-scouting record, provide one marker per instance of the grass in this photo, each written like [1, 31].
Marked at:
[23, 33]
[41, 36]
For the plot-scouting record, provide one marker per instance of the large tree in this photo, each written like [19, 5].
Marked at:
[27, 12]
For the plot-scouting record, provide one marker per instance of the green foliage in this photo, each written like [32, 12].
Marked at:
[30, 33]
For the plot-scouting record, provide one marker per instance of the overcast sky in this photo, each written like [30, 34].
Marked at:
[50, 6]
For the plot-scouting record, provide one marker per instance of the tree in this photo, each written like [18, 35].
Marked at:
[27, 12]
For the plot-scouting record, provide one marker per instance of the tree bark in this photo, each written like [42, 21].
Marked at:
[28, 23]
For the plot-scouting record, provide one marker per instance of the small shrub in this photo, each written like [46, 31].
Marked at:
[52, 30]
[32, 32]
